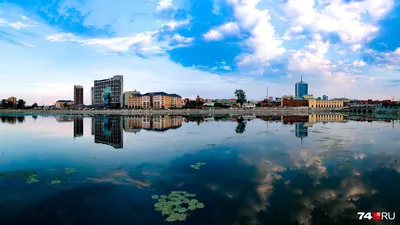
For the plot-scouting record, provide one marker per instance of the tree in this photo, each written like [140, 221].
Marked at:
[4, 103]
[21, 104]
[241, 125]
[240, 97]
[10, 104]
[34, 105]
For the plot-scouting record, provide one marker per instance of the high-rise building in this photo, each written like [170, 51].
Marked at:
[301, 88]
[13, 100]
[92, 95]
[78, 127]
[78, 95]
[108, 92]
[108, 131]
[325, 97]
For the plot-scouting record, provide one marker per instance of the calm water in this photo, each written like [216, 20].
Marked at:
[273, 170]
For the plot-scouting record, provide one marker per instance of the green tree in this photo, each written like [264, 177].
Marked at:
[4, 103]
[241, 125]
[21, 104]
[10, 104]
[240, 97]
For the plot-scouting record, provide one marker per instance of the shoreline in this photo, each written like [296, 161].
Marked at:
[261, 112]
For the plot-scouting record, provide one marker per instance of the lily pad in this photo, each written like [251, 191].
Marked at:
[182, 217]
[154, 196]
[173, 217]
[163, 196]
[182, 210]
[200, 205]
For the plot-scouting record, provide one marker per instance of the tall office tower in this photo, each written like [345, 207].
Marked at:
[301, 88]
[92, 95]
[78, 127]
[109, 92]
[108, 131]
[78, 95]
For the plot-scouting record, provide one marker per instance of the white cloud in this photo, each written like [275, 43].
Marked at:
[220, 32]
[164, 5]
[263, 41]
[345, 19]
[355, 47]
[292, 31]
[359, 63]
[181, 39]
[142, 42]
[172, 25]
[17, 25]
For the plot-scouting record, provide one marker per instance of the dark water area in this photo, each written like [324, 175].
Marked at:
[281, 170]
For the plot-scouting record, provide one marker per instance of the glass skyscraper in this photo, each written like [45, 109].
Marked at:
[301, 88]
[108, 92]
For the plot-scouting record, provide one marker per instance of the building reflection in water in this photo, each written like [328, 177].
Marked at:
[78, 127]
[133, 124]
[108, 131]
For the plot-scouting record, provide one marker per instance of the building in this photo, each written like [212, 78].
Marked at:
[109, 92]
[315, 118]
[308, 97]
[108, 131]
[78, 127]
[154, 100]
[301, 88]
[325, 97]
[64, 103]
[294, 103]
[92, 95]
[13, 100]
[78, 95]
[126, 96]
[314, 103]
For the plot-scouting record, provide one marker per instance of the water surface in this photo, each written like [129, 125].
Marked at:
[270, 170]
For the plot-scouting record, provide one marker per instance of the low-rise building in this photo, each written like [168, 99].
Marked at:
[154, 100]
[64, 103]
[294, 102]
[314, 103]
[308, 96]
[126, 96]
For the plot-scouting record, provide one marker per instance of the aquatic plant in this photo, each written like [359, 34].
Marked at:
[177, 205]
[69, 170]
[197, 165]
[33, 178]
[56, 181]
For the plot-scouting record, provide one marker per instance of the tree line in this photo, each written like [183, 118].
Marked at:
[20, 104]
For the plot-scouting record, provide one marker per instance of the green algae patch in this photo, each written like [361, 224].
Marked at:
[56, 181]
[33, 178]
[177, 205]
[197, 165]
[69, 170]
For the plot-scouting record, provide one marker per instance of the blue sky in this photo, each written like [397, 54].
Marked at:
[200, 47]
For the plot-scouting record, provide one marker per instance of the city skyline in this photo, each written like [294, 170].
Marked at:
[350, 50]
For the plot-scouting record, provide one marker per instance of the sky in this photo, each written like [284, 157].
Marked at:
[342, 48]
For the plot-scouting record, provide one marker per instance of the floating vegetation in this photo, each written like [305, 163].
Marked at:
[197, 165]
[324, 146]
[56, 181]
[69, 170]
[33, 178]
[177, 206]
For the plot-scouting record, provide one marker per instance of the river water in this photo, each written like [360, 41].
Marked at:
[280, 170]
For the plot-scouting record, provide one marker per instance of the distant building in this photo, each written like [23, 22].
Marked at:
[108, 131]
[126, 96]
[92, 95]
[315, 118]
[78, 95]
[78, 127]
[313, 103]
[301, 88]
[294, 103]
[108, 92]
[154, 100]
[13, 100]
[308, 97]
[325, 97]
[64, 103]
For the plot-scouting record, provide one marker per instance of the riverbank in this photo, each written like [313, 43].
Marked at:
[260, 112]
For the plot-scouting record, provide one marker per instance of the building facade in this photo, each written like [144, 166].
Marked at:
[294, 103]
[108, 131]
[92, 95]
[63, 103]
[126, 96]
[78, 95]
[154, 100]
[301, 88]
[13, 100]
[325, 97]
[109, 92]
[315, 118]
[314, 103]
[78, 127]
